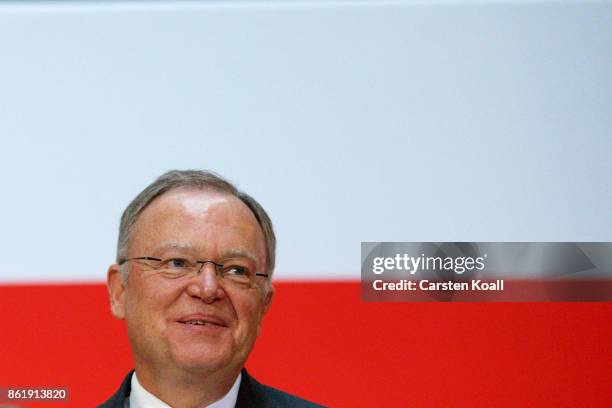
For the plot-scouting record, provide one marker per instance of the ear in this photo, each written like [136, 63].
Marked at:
[268, 299]
[116, 291]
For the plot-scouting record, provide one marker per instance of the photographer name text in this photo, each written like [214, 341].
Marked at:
[425, 285]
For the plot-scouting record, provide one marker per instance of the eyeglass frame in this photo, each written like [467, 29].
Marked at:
[218, 266]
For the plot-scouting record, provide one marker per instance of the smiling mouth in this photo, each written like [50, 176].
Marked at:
[201, 323]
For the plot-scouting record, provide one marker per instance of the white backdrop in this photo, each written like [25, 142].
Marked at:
[349, 121]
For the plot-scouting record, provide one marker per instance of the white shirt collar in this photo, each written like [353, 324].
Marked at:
[141, 398]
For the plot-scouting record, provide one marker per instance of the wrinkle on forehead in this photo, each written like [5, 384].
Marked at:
[175, 245]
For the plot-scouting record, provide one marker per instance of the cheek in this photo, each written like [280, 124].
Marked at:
[146, 310]
[145, 305]
[249, 312]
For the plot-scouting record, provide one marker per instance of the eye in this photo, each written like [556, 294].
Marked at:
[177, 263]
[236, 271]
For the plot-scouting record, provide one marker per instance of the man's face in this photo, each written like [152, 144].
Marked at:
[161, 311]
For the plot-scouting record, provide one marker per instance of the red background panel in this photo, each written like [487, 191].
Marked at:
[321, 342]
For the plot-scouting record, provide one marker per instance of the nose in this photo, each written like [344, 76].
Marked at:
[205, 285]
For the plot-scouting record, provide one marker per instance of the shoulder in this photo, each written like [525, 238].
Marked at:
[254, 394]
[251, 394]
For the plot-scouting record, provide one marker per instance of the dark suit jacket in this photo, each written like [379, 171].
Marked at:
[251, 394]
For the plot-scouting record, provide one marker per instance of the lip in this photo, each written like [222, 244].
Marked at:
[206, 318]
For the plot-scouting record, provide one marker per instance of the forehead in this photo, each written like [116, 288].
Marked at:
[201, 219]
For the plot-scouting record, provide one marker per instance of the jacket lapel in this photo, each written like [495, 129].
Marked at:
[249, 393]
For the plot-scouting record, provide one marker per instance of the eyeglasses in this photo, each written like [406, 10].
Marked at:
[175, 268]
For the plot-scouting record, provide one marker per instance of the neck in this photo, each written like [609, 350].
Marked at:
[183, 389]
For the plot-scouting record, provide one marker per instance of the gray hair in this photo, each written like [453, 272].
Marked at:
[199, 179]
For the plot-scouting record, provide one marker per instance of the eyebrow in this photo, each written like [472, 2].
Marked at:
[230, 253]
[175, 245]
[239, 253]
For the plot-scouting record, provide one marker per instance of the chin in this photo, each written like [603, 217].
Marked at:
[202, 359]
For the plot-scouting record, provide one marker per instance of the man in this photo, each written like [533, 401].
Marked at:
[192, 280]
